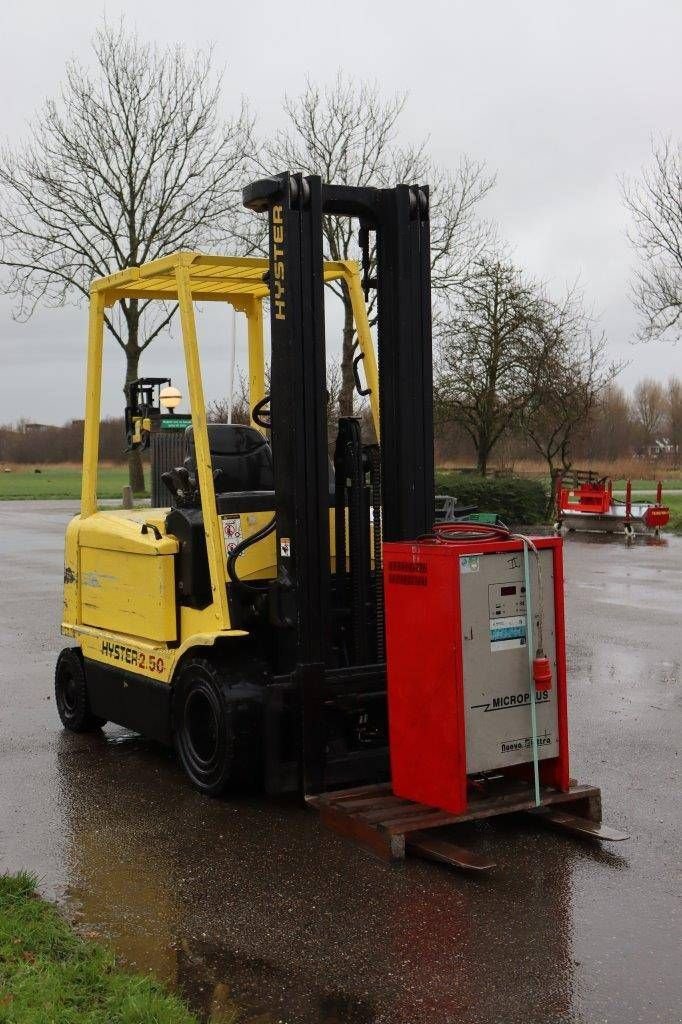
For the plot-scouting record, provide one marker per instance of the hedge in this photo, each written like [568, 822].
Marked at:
[515, 499]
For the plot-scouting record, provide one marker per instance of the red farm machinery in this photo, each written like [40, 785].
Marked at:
[585, 502]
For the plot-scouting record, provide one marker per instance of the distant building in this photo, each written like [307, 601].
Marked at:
[658, 449]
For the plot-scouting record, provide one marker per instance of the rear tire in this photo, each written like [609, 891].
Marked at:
[71, 693]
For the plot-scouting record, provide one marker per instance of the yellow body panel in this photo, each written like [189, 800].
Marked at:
[112, 621]
[71, 583]
[145, 657]
[260, 560]
[128, 593]
[119, 650]
[117, 530]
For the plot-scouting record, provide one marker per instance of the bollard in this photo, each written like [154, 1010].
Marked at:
[127, 496]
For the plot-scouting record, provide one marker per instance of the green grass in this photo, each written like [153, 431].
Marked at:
[58, 482]
[673, 501]
[65, 482]
[669, 484]
[50, 975]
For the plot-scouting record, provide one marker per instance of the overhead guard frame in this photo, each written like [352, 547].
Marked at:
[187, 278]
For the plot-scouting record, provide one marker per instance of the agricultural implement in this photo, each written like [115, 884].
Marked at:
[585, 502]
[295, 624]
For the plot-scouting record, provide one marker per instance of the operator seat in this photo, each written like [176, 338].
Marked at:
[241, 459]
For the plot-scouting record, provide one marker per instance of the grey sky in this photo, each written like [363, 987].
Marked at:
[559, 99]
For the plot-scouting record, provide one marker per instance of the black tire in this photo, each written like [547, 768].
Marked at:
[216, 724]
[71, 693]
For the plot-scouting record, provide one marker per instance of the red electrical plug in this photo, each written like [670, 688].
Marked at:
[542, 672]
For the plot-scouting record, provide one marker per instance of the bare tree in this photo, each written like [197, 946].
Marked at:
[655, 204]
[493, 345]
[675, 415]
[649, 406]
[333, 396]
[129, 163]
[347, 134]
[573, 375]
[219, 411]
[610, 431]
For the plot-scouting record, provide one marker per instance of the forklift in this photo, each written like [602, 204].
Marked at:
[197, 624]
[286, 609]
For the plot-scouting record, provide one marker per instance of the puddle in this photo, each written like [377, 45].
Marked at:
[255, 914]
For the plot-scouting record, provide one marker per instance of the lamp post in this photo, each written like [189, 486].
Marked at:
[170, 399]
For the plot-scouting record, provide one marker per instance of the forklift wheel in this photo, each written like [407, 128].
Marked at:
[203, 729]
[71, 693]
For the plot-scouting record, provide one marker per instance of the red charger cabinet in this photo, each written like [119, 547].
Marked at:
[459, 689]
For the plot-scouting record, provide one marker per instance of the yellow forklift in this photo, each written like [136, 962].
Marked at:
[170, 607]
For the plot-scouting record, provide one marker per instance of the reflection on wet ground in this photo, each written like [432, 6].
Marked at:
[249, 907]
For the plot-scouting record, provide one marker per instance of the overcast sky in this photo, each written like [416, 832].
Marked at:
[559, 99]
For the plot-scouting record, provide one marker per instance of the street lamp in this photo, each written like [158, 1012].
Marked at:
[170, 398]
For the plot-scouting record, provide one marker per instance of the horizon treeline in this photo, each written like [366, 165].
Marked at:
[646, 423]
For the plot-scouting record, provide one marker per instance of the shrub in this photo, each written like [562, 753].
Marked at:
[514, 499]
[675, 522]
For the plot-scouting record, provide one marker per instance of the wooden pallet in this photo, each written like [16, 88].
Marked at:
[391, 826]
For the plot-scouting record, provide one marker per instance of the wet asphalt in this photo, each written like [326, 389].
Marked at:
[249, 907]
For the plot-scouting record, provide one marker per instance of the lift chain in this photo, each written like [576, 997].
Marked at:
[368, 282]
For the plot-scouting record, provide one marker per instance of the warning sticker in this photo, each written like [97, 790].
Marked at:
[285, 547]
[507, 633]
[469, 563]
[232, 532]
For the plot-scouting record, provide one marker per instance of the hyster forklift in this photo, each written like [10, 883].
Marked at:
[246, 621]
[243, 623]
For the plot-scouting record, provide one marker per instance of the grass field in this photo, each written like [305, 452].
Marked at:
[649, 486]
[644, 475]
[58, 482]
[48, 973]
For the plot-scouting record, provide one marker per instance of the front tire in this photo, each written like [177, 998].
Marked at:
[217, 723]
[71, 693]
[203, 734]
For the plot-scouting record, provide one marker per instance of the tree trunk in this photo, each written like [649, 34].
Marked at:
[135, 467]
[482, 456]
[553, 475]
[347, 380]
[566, 462]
